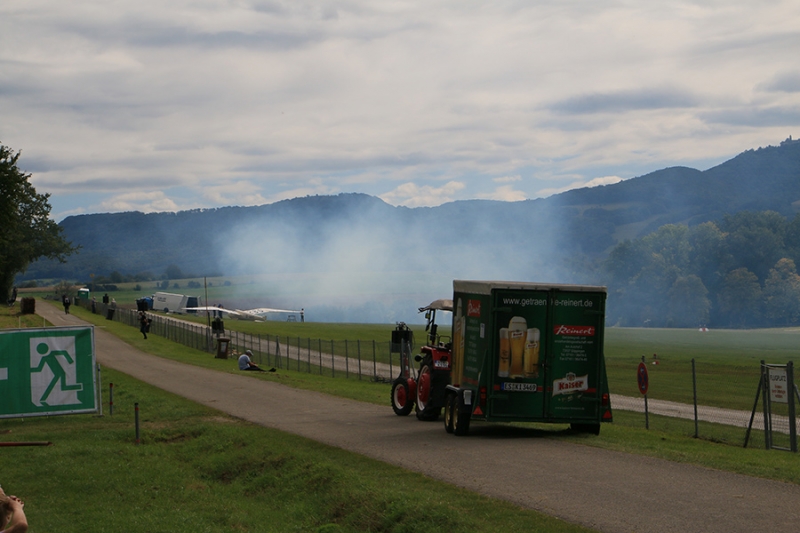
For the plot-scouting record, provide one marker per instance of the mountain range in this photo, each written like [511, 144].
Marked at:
[554, 239]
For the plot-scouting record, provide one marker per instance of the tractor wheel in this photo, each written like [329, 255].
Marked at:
[461, 418]
[401, 401]
[450, 412]
[424, 410]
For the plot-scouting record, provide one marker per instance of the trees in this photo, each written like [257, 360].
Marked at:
[26, 230]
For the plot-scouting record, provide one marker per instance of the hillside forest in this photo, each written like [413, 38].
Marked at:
[740, 271]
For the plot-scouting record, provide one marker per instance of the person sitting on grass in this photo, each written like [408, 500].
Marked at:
[245, 363]
[12, 516]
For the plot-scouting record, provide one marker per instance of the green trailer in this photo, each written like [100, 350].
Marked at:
[527, 352]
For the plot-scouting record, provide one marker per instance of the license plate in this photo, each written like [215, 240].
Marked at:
[518, 387]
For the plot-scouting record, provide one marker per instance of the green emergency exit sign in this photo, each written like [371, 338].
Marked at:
[47, 371]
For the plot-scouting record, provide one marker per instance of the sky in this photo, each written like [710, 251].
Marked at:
[167, 106]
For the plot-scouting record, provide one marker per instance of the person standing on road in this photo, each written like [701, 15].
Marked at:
[12, 515]
[66, 303]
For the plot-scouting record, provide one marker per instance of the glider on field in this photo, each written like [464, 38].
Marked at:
[257, 313]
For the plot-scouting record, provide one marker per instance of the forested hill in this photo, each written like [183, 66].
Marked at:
[562, 238]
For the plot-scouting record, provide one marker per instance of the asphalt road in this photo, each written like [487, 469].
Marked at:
[605, 490]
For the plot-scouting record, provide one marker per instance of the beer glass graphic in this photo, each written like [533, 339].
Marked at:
[517, 330]
[505, 354]
[532, 346]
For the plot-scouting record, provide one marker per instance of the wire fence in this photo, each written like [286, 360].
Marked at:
[699, 411]
[358, 359]
[697, 385]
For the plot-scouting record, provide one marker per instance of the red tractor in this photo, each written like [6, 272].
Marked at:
[427, 387]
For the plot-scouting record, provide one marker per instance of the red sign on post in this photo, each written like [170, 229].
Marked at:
[641, 377]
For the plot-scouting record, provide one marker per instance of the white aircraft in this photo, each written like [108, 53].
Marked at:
[253, 314]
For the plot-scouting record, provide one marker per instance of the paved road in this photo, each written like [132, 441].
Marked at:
[606, 490]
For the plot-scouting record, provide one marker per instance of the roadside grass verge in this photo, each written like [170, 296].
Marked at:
[199, 470]
[669, 439]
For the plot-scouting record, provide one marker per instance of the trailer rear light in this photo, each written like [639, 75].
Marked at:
[483, 396]
[604, 400]
[607, 415]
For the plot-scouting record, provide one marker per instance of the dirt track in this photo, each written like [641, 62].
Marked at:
[609, 491]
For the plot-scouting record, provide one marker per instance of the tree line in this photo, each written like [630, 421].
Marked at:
[740, 271]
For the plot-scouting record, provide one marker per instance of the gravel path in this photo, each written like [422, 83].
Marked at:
[605, 490]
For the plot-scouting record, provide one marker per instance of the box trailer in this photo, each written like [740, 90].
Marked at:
[520, 352]
[174, 303]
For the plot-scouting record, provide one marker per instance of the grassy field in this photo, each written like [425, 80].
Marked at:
[197, 470]
[220, 473]
[625, 434]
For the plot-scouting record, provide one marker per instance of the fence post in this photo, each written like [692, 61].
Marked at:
[792, 411]
[346, 360]
[309, 355]
[359, 358]
[765, 405]
[136, 411]
[694, 394]
[374, 361]
[333, 355]
[320, 356]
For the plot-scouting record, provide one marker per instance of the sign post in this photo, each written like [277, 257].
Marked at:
[47, 371]
[644, 383]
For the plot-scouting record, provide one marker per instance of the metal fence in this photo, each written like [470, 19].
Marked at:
[698, 413]
[694, 415]
[347, 358]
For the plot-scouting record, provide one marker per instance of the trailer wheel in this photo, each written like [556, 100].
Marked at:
[424, 410]
[401, 401]
[461, 419]
[450, 412]
[594, 429]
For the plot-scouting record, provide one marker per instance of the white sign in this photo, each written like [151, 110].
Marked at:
[778, 390]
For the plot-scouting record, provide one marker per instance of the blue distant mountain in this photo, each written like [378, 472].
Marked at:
[554, 239]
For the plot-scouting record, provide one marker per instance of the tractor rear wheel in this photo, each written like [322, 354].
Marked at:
[401, 400]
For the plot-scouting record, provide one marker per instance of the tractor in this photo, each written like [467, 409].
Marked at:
[423, 390]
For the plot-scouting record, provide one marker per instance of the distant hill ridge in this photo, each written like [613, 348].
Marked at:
[474, 237]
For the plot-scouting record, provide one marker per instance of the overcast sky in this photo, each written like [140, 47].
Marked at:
[165, 106]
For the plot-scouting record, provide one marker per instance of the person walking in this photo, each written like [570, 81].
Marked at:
[66, 302]
[144, 325]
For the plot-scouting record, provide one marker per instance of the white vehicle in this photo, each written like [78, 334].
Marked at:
[174, 303]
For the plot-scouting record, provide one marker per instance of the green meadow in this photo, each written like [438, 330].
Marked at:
[197, 469]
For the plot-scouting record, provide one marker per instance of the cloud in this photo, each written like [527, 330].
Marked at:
[755, 116]
[146, 202]
[507, 179]
[628, 100]
[245, 102]
[413, 195]
[504, 193]
[787, 82]
[596, 182]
